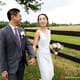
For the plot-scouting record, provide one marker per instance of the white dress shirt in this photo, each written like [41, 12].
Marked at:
[13, 27]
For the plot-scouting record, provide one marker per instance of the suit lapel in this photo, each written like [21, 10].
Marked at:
[12, 35]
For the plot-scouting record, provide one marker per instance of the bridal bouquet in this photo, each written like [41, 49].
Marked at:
[56, 47]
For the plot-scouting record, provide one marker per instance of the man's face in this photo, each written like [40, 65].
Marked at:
[17, 19]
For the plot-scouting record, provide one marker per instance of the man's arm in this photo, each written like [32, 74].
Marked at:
[3, 64]
[29, 48]
[30, 51]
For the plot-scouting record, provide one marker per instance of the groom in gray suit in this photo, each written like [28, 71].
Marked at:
[13, 44]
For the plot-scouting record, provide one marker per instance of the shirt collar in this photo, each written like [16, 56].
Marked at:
[12, 26]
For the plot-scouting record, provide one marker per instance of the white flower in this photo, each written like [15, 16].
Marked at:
[22, 33]
[57, 46]
[54, 45]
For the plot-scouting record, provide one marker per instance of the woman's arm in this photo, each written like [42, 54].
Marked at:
[36, 38]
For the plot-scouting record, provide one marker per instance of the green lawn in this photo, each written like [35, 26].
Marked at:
[63, 67]
[72, 52]
[66, 39]
[62, 38]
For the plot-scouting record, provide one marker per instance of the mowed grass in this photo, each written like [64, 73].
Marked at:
[71, 52]
[66, 39]
[66, 28]
[61, 28]
[62, 38]
[66, 68]
[62, 67]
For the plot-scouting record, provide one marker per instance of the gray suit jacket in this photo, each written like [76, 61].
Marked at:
[10, 52]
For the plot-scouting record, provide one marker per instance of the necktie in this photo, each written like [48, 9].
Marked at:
[17, 36]
[18, 40]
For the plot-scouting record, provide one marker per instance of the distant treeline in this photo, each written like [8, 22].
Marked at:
[27, 24]
[2, 24]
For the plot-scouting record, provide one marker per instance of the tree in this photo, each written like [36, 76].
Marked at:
[30, 4]
[2, 3]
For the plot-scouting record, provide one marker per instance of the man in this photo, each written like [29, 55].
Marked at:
[13, 44]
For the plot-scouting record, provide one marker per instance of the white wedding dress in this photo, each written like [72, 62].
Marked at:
[44, 56]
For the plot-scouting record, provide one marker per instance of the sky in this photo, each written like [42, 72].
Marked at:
[58, 11]
[11, 4]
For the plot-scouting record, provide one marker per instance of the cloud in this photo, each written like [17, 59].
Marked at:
[59, 11]
[66, 14]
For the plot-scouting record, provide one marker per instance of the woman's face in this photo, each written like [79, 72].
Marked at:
[43, 22]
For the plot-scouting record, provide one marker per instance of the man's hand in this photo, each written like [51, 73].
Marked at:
[32, 61]
[4, 75]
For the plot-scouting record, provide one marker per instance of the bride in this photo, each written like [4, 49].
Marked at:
[42, 39]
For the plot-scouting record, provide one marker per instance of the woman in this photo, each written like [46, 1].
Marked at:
[42, 39]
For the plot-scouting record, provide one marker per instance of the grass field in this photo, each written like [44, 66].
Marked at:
[62, 38]
[64, 68]
[66, 39]
[62, 28]
[66, 28]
